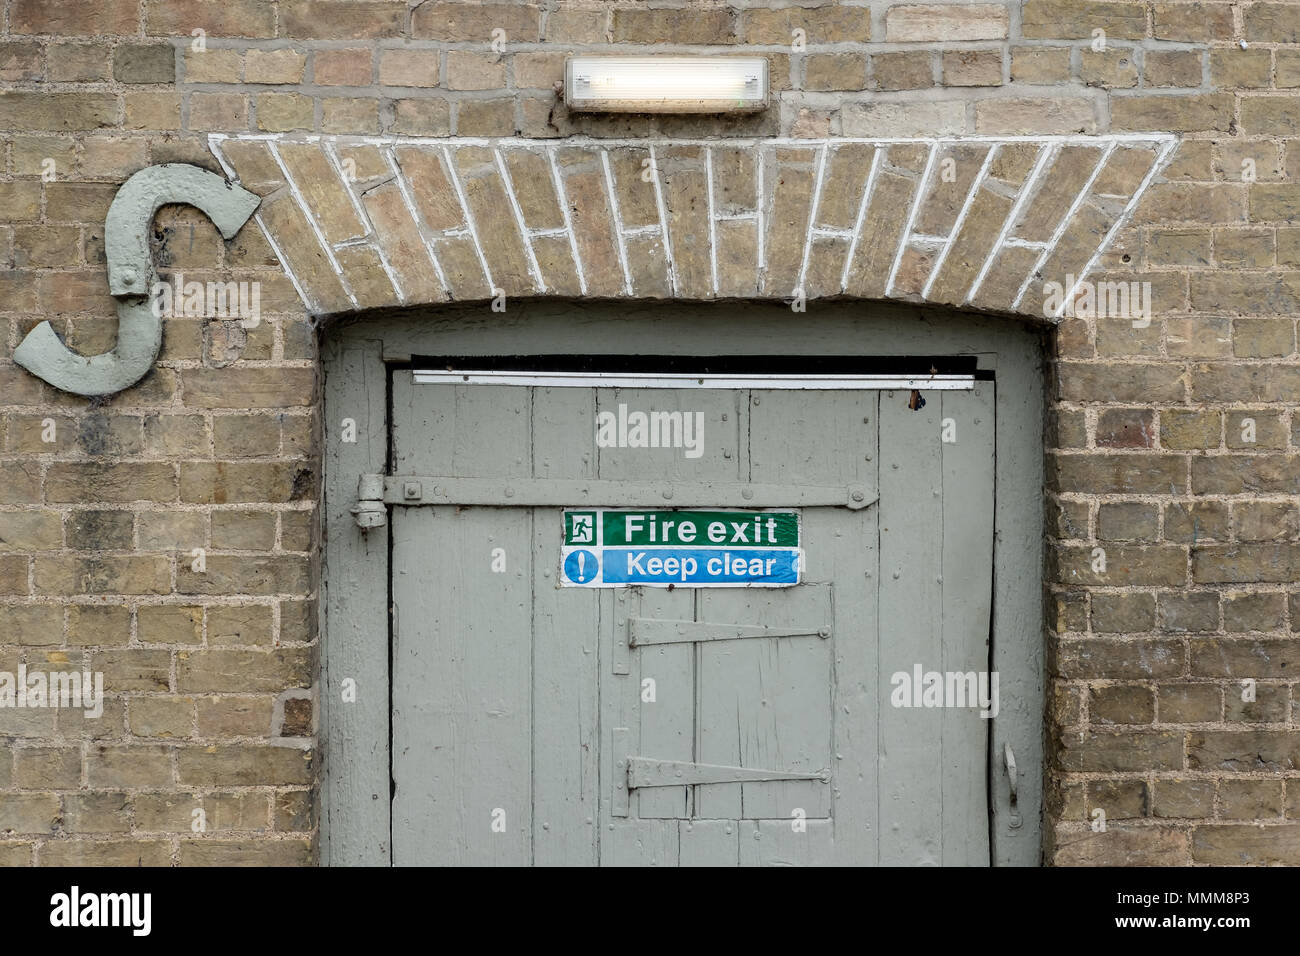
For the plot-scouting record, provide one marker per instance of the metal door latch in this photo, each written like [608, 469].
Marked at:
[1014, 819]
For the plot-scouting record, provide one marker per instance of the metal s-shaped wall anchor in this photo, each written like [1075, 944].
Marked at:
[131, 277]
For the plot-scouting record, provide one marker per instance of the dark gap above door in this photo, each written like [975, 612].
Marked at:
[917, 365]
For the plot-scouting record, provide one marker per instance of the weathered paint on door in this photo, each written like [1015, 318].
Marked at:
[525, 727]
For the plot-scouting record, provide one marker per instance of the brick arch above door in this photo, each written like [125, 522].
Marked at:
[364, 223]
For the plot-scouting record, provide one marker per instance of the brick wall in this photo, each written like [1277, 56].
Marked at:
[218, 448]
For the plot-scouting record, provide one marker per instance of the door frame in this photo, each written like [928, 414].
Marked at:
[357, 357]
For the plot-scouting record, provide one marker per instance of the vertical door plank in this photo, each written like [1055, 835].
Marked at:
[833, 437]
[566, 707]
[911, 629]
[726, 686]
[462, 636]
[852, 561]
[667, 726]
[1018, 648]
[566, 657]
[462, 691]
[357, 828]
[967, 595]
[853, 547]
[619, 716]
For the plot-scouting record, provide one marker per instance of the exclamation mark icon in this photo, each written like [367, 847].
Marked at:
[581, 567]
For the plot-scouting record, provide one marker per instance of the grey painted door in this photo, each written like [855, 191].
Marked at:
[522, 718]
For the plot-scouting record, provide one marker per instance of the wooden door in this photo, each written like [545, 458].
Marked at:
[529, 728]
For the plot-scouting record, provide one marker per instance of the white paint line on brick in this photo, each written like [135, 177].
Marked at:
[1024, 243]
[651, 230]
[548, 233]
[311, 221]
[663, 221]
[469, 219]
[426, 240]
[1162, 157]
[922, 190]
[961, 219]
[371, 239]
[1046, 153]
[1064, 223]
[867, 189]
[812, 218]
[825, 232]
[214, 144]
[619, 241]
[533, 268]
[737, 216]
[558, 182]
[713, 219]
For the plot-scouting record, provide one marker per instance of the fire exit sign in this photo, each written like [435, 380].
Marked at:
[695, 549]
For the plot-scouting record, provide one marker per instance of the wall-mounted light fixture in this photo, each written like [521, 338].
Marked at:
[666, 84]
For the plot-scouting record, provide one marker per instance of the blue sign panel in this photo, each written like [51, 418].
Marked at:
[693, 567]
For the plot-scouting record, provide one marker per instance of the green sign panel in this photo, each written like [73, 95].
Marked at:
[693, 529]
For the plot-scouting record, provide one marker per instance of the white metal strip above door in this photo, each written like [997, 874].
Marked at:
[691, 380]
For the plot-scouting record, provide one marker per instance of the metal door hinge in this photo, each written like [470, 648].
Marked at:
[645, 630]
[370, 510]
[376, 491]
[645, 772]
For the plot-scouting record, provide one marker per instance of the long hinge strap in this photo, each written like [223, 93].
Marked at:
[643, 631]
[645, 772]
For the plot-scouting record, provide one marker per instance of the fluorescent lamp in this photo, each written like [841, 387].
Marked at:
[666, 84]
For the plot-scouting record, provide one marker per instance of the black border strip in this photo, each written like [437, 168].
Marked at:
[900, 366]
